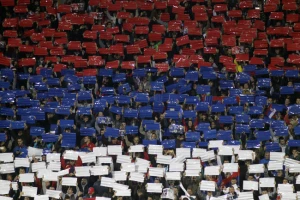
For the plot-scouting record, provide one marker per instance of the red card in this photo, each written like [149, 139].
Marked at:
[140, 30]
[159, 56]
[162, 67]
[105, 36]
[141, 21]
[51, 10]
[253, 14]
[113, 30]
[142, 43]
[242, 57]
[276, 43]
[26, 23]
[10, 33]
[210, 50]
[194, 31]
[154, 37]
[74, 45]
[62, 8]
[149, 51]
[112, 64]
[20, 9]
[276, 15]
[146, 6]
[40, 51]
[178, 9]
[123, 15]
[201, 17]
[211, 41]
[121, 38]
[99, 28]
[218, 19]
[117, 49]
[293, 47]
[10, 22]
[131, 5]
[277, 61]
[201, 63]
[188, 51]
[246, 39]
[256, 61]
[290, 6]
[128, 65]
[165, 48]
[234, 13]
[183, 40]
[183, 63]
[213, 33]
[23, 2]
[195, 59]
[183, 17]
[90, 35]
[270, 8]
[157, 28]
[90, 47]
[67, 59]
[165, 17]
[64, 26]
[114, 7]
[5, 61]
[198, 9]
[230, 67]
[246, 4]
[260, 52]
[144, 59]
[82, 63]
[26, 48]
[173, 2]
[96, 61]
[220, 7]
[160, 5]
[104, 51]
[229, 40]
[261, 44]
[90, 72]
[225, 59]
[292, 18]
[133, 49]
[14, 42]
[61, 41]
[58, 51]
[196, 44]
[46, 3]
[177, 57]
[128, 27]
[77, 20]
[294, 59]
[94, 2]
[260, 25]
[59, 67]
[278, 31]
[47, 44]
[27, 62]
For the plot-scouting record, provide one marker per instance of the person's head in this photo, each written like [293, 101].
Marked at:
[267, 155]
[279, 173]
[189, 191]
[250, 177]
[153, 136]
[87, 139]
[298, 101]
[70, 191]
[233, 181]
[20, 141]
[118, 117]
[83, 181]
[209, 193]
[287, 102]
[231, 190]
[136, 140]
[85, 118]
[282, 141]
[285, 181]
[114, 140]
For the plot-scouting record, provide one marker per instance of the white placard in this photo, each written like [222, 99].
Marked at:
[26, 178]
[192, 172]
[4, 187]
[99, 170]
[298, 179]
[140, 161]
[83, 171]
[52, 176]
[53, 157]
[123, 159]
[193, 164]
[256, 168]
[69, 181]
[6, 157]
[88, 158]
[236, 148]
[107, 182]
[100, 151]
[212, 170]
[34, 152]
[178, 159]
[215, 143]
[173, 176]
[6, 198]
[54, 166]
[123, 193]
[288, 196]
[53, 193]
[42, 172]
[105, 160]
[155, 171]
[197, 152]
[246, 155]
[22, 162]
[208, 186]
[209, 155]
[102, 198]
[294, 168]
[288, 162]
[245, 196]
[154, 187]
[230, 167]
[141, 168]
[225, 151]
[267, 182]
[114, 150]
[41, 197]
[70, 155]
[119, 175]
[136, 176]
[29, 191]
[7, 168]
[162, 159]
[176, 167]
[63, 172]
[119, 186]
[264, 197]
[275, 165]
[14, 186]
[277, 156]
[37, 166]
[136, 148]
[128, 167]
[250, 185]
[185, 152]
[285, 188]
[155, 149]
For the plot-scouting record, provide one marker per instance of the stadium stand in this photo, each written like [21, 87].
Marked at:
[149, 100]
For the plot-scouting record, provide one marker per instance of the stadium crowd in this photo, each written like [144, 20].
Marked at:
[147, 100]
